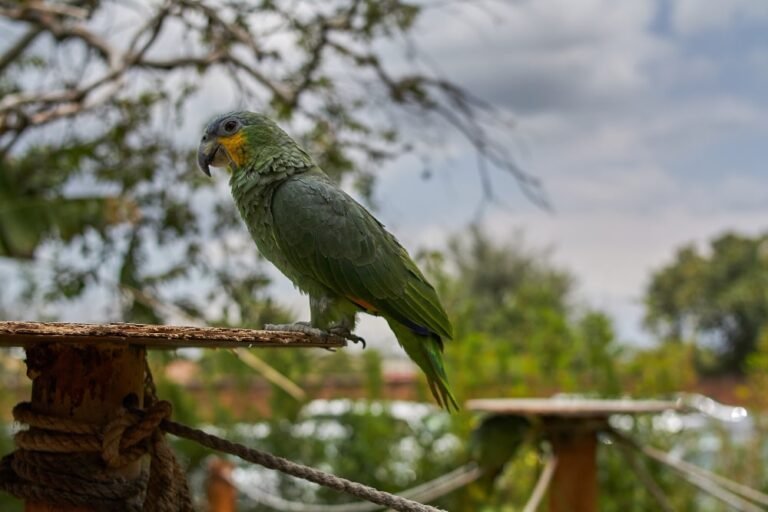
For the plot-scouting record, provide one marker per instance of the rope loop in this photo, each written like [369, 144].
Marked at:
[127, 436]
[69, 462]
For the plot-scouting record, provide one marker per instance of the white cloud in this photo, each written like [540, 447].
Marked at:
[694, 16]
[545, 53]
[612, 254]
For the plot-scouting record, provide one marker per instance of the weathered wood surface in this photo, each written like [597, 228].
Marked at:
[168, 337]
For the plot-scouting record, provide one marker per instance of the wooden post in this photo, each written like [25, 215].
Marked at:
[87, 383]
[222, 494]
[574, 484]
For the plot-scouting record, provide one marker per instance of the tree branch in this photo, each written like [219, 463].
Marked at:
[19, 46]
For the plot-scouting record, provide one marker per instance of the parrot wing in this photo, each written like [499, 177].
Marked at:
[327, 235]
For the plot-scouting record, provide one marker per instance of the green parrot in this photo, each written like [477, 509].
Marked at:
[324, 241]
[495, 441]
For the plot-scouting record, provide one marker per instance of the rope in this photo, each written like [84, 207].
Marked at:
[460, 477]
[278, 463]
[735, 487]
[297, 470]
[646, 478]
[542, 484]
[729, 492]
[424, 493]
[74, 463]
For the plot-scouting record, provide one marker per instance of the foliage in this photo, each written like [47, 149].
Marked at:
[516, 324]
[664, 369]
[716, 297]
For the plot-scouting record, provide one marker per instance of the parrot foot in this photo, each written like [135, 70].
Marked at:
[345, 333]
[306, 328]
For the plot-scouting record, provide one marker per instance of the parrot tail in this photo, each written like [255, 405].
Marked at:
[427, 352]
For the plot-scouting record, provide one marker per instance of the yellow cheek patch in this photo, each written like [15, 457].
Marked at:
[235, 147]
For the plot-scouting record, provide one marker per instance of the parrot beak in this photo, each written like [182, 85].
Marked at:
[206, 155]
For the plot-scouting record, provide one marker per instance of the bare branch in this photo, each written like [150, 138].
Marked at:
[223, 41]
[237, 33]
[154, 25]
[60, 9]
[47, 19]
[18, 47]
[279, 90]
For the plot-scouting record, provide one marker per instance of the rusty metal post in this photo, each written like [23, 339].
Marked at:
[87, 383]
[574, 484]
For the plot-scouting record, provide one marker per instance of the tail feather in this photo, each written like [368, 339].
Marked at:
[426, 352]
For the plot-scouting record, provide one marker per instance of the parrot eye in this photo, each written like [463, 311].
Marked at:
[231, 125]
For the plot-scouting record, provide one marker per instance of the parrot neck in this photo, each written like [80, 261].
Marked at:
[270, 165]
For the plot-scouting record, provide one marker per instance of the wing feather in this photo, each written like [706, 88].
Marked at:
[326, 234]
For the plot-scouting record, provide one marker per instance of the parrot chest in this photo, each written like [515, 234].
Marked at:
[254, 201]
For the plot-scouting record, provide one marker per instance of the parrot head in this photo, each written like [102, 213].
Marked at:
[231, 139]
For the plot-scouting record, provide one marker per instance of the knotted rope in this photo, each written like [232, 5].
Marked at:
[70, 462]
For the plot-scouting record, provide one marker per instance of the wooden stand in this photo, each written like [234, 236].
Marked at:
[88, 372]
[221, 493]
[574, 484]
[571, 426]
[86, 383]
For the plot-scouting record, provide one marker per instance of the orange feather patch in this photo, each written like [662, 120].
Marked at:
[235, 147]
[363, 304]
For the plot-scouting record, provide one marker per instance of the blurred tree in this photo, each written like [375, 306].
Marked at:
[94, 98]
[665, 369]
[717, 298]
[517, 325]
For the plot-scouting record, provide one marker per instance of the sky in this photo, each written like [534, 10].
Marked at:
[645, 120]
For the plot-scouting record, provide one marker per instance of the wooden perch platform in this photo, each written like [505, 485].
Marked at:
[570, 408]
[167, 337]
[571, 425]
[87, 373]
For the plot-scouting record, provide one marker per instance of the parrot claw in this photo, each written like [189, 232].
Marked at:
[345, 333]
[306, 328]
